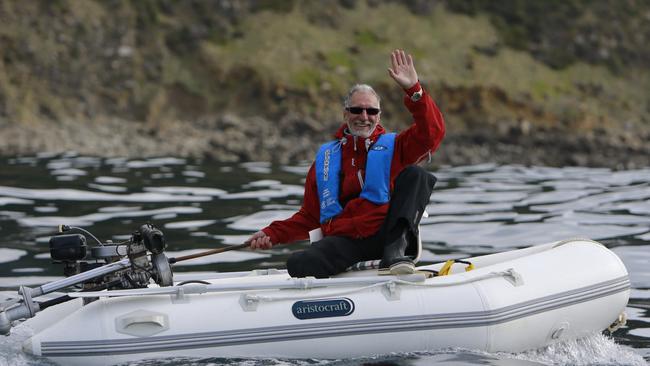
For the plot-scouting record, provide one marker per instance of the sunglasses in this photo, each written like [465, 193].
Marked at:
[358, 110]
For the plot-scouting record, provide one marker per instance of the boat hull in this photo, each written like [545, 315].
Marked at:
[520, 300]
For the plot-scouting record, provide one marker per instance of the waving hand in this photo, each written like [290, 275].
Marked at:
[402, 70]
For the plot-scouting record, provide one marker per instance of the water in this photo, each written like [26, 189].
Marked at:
[474, 210]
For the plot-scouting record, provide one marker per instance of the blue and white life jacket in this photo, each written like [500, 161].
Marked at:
[376, 188]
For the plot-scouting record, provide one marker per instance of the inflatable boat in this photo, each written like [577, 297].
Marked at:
[511, 301]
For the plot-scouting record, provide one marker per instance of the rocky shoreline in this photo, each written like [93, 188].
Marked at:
[232, 139]
[541, 83]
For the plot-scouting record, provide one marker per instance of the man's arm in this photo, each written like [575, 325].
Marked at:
[425, 135]
[298, 226]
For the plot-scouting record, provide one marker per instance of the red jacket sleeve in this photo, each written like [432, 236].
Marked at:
[425, 134]
[298, 226]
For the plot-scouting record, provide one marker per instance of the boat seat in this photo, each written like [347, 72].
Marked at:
[414, 251]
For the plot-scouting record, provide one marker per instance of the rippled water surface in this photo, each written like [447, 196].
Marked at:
[474, 210]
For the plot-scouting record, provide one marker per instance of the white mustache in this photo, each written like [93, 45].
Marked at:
[358, 124]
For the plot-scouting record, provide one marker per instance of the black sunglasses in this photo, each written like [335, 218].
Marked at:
[358, 110]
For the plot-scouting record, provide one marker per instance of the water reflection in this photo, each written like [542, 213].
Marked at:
[474, 210]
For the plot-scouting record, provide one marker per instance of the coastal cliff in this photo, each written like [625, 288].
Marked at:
[528, 82]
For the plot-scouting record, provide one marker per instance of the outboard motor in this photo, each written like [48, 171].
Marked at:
[134, 263]
[145, 250]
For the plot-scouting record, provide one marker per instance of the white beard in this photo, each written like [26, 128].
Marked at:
[361, 134]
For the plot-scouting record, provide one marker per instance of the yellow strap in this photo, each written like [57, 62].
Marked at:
[446, 268]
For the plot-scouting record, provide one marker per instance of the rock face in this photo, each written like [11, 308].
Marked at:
[538, 83]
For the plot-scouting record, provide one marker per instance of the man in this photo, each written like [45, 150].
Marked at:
[364, 191]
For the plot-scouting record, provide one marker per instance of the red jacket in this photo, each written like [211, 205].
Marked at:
[361, 218]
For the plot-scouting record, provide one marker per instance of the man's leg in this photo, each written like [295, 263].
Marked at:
[329, 256]
[413, 188]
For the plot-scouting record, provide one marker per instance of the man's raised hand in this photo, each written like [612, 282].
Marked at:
[402, 69]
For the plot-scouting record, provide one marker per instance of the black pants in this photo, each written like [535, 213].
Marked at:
[334, 254]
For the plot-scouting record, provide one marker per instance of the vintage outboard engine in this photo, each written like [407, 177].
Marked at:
[134, 263]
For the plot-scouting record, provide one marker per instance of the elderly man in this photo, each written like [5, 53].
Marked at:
[364, 190]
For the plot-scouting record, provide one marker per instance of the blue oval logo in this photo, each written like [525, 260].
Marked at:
[326, 308]
[379, 147]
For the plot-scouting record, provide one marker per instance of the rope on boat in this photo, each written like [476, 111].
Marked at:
[509, 274]
[301, 284]
[446, 268]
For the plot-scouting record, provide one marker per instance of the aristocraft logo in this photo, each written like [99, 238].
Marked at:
[311, 309]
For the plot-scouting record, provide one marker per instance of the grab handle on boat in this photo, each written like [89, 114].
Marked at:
[513, 277]
[142, 323]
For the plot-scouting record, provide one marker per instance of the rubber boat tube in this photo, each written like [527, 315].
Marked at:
[512, 301]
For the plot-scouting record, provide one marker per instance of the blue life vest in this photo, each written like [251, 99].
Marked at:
[376, 188]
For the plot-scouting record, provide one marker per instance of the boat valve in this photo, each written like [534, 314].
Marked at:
[618, 323]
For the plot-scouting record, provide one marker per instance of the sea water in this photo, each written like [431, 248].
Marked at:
[474, 210]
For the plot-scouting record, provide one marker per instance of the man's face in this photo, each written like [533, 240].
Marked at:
[362, 124]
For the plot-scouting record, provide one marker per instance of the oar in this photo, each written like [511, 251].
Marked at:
[209, 252]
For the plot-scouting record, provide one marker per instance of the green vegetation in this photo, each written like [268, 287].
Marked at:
[571, 65]
[563, 32]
